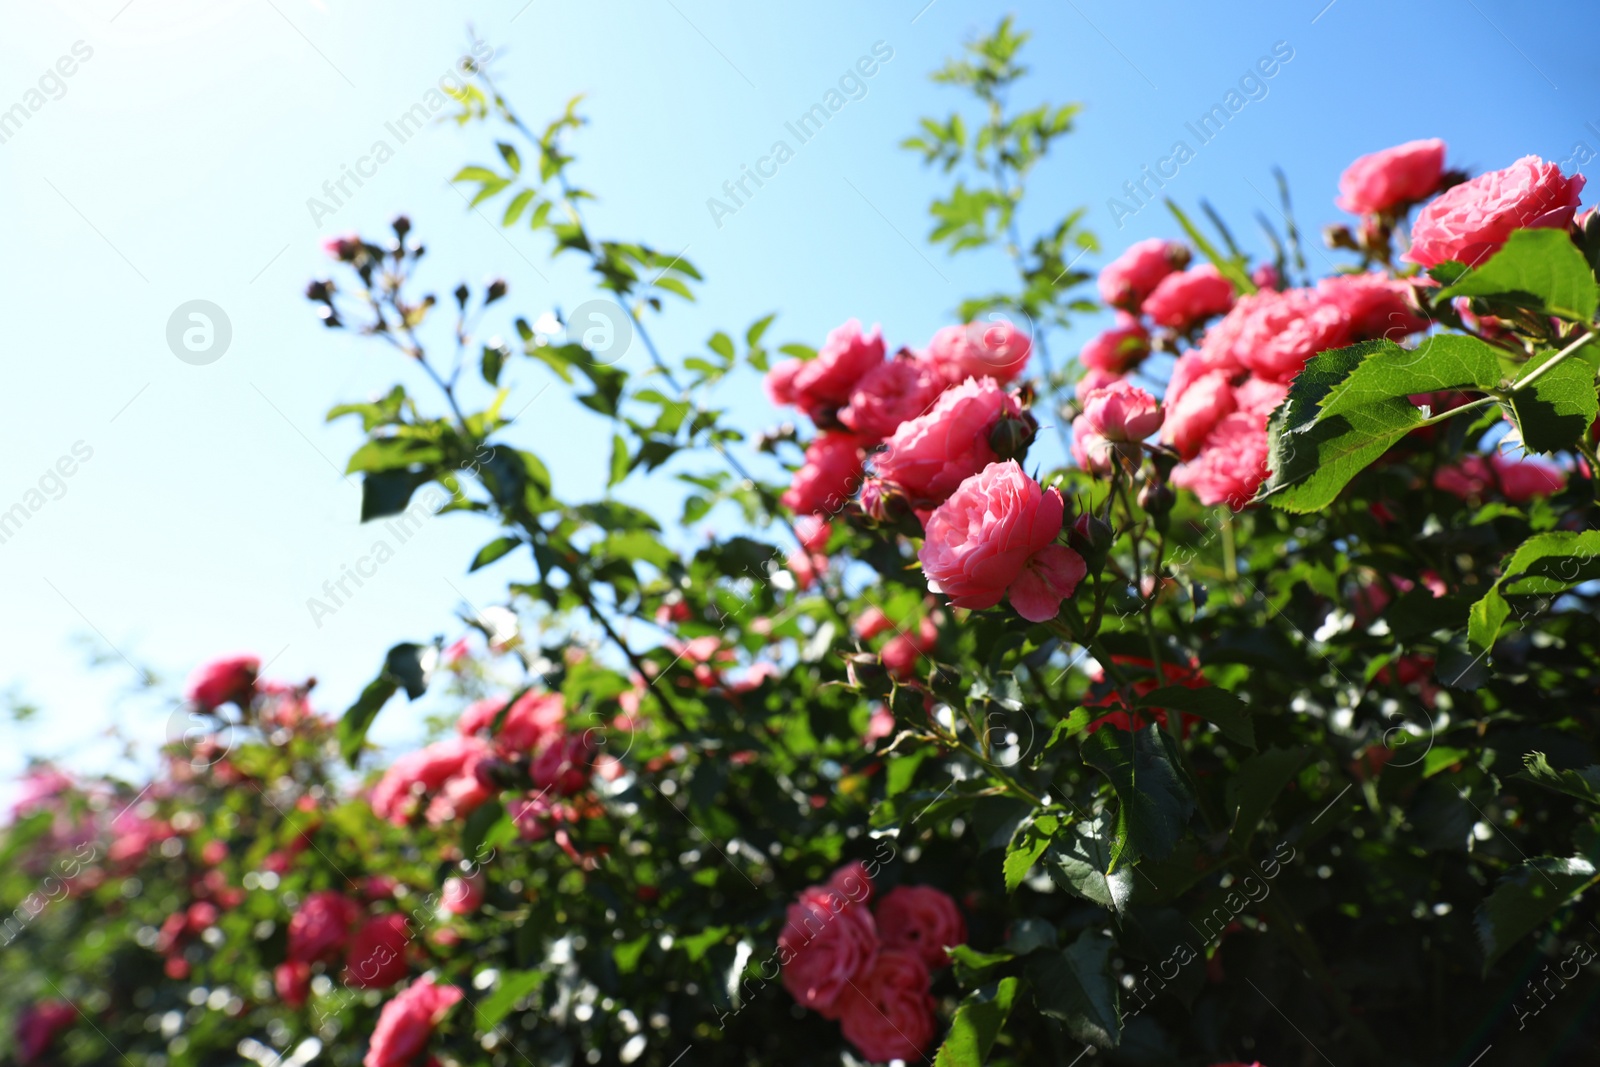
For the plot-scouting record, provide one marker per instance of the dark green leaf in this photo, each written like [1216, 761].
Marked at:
[1080, 861]
[493, 551]
[1155, 805]
[385, 493]
[976, 1024]
[1584, 784]
[1545, 563]
[1555, 412]
[1075, 986]
[1257, 783]
[512, 987]
[1525, 899]
[1217, 706]
[1538, 269]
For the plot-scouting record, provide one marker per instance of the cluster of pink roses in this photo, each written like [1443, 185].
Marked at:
[408, 1021]
[330, 926]
[1235, 373]
[940, 435]
[870, 970]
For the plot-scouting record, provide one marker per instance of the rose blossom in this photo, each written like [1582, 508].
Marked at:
[1519, 481]
[870, 623]
[1471, 222]
[930, 455]
[1188, 297]
[853, 879]
[317, 932]
[901, 652]
[533, 718]
[425, 771]
[377, 955]
[1132, 276]
[293, 983]
[565, 765]
[408, 1021]
[814, 532]
[38, 1024]
[1233, 463]
[889, 394]
[889, 1013]
[826, 942]
[1121, 412]
[1375, 305]
[824, 383]
[1091, 451]
[1093, 379]
[995, 537]
[231, 679]
[921, 920]
[1119, 349]
[462, 896]
[1280, 332]
[779, 382]
[1195, 411]
[1394, 177]
[995, 350]
[830, 474]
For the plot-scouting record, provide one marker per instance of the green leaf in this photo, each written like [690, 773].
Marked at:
[385, 493]
[476, 174]
[514, 210]
[494, 359]
[1544, 563]
[509, 154]
[512, 987]
[1526, 898]
[1026, 846]
[1075, 986]
[619, 460]
[1080, 861]
[1155, 804]
[976, 1024]
[1217, 706]
[493, 551]
[1538, 269]
[402, 669]
[1348, 405]
[1231, 269]
[1252, 789]
[1555, 412]
[1584, 784]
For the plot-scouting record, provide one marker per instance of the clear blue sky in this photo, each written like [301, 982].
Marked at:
[175, 164]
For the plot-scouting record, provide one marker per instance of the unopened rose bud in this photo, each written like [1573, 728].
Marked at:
[1091, 537]
[1339, 236]
[865, 671]
[496, 290]
[402, 226]
[1157, 498]
[1011, 436]
[320, 290]
[882, 502]
[1178, 255]
[461, 294]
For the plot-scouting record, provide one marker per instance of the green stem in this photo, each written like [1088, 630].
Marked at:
[1550, 364]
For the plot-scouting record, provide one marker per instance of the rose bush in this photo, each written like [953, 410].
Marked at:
[1263, 733]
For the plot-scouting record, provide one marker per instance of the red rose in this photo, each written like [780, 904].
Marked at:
[317, 932]
[463, 896]
[39, 1024]
[231, 679]
[888, 1013]
[377, 956]
[825, 944]
[921, 920]
[565, 765]
[293, 982]
[407, 1022]
[1471, 222]
[854, 882]
[1393, 178]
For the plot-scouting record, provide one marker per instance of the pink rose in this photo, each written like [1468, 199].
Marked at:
[995, 537]
[814, 532]
[995, 350]
[1121, 412]
[830, 475]
[39, 1024]
[1091, 451]
[1232, 464]
[901, 652]
[888, 1014]
[463, 896]
[377, 955]
[822, 385]
[317, 932]
[231, 679]
[826, 943]
[889, 394]
[407, 1022]
[1393, 178]
[923, 921]
[425, 771]
[853, 880]
[565, 765]
[930, 455]
[1374, 304]
[293, 983]
[37, 788]
[1519, 481]
[1471, 222]
[1280, 332]
[1132, 276]
[1266, 276]
[779, 382]
[1119, 349]
[1094, 378]
[870, 623]
[1189, 297]
[1194, 412]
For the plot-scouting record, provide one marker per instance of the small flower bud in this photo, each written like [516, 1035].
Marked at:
[1091, 537]
[402, 226]
[496, 290]
[1011, 436]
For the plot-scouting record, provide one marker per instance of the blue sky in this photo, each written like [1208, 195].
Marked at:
[176, 161]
